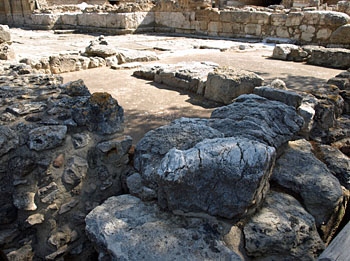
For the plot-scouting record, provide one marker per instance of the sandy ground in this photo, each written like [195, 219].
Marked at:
[148, 105]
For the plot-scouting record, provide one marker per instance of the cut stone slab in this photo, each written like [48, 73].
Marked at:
[282, 230]
[125, 228]
[225, 84]
[225, 177]
[288, 97]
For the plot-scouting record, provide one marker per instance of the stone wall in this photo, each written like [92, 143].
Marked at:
[310, 27]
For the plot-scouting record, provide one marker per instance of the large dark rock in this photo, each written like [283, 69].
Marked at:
[125, 228]
[182, 134]
[282, 230]
[300, 172]
[225, 177]
[258, 118]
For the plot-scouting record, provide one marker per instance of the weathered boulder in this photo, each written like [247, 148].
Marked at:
[328, 57]
[8, 140]
[100, 48]
[187, 76]
[225, 177]
[7, 52]
[341, 35]
[129, 56]
[300, 172]
[68, 63]
[126, 228]
[46, 137]
[289, 52]
[182, 134]
[5, 34]
[342, 81]
[282, 230]
[225, 84]
[254, 117]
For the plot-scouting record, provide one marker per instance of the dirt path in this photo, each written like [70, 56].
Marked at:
[148, 105]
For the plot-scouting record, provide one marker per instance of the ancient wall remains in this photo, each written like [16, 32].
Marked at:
[310, 27]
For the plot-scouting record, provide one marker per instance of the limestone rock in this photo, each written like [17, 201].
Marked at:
[288, 97]
[23, 253]
[5, 34]
[6, 52]
[125, 228]
[182, 134]
[258, 118]
[129, 56]
[278, 84]
[225, 84]
[35, 219]
[224, 177]
[100, 48]
[329, 57]
[24, 200]
[341, 35]
[299, 171]
[68, 63]
[282, 230]
[47, 137]
[289, 52]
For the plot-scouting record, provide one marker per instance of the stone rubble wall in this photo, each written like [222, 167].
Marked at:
[309, 27]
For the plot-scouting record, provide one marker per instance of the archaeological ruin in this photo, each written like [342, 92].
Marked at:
[174, 130]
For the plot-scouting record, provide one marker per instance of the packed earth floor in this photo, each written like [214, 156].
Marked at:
[148, 105]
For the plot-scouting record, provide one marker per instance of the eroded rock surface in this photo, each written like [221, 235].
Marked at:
[126, 228]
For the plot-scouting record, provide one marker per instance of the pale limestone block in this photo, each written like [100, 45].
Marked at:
[214, 27]
[282, 32]
[227, 28]
[114, 21]
[311, 17]
[294, 19]
[323, 33]
[69, 19]
[260, 17]
[45, 19]
[278, 19]
[253, 29]
[92, 19]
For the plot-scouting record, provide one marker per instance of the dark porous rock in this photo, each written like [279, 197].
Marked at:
[105, 116]
[258, 118]
[76, 88]
[225, 84]
[225, 177]
[181, 134]
[80, 140]
[46, 137]
[125, 228]
[75, 171]
[282, 230]
[300, 172]
[8, 140]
